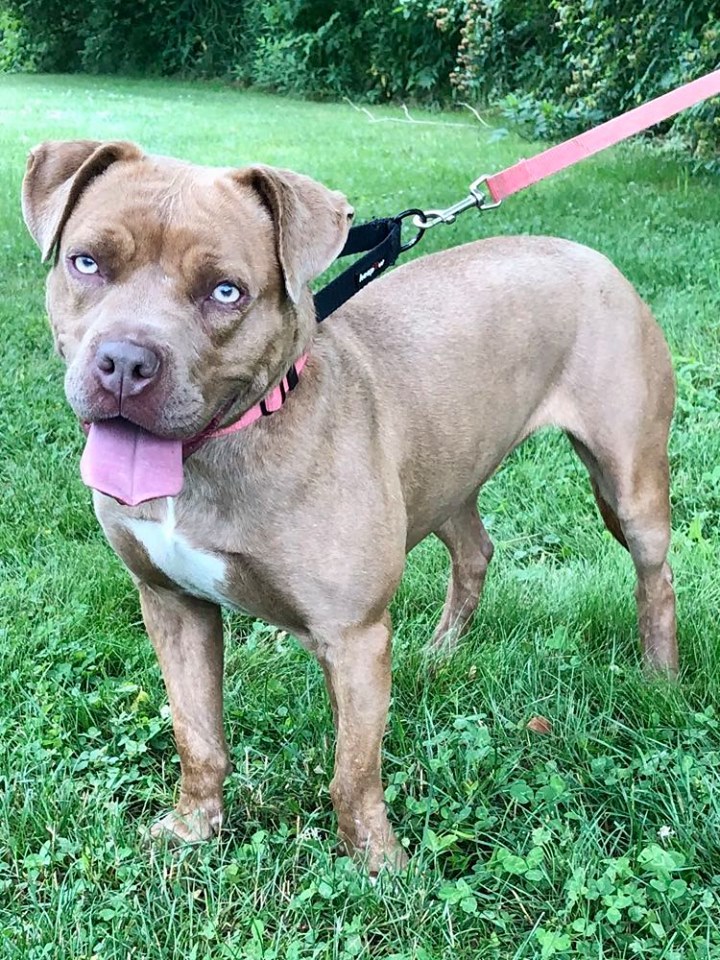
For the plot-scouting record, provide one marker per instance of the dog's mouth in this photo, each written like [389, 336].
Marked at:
[125, 461]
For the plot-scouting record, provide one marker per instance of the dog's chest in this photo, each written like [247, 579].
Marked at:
[198, 572]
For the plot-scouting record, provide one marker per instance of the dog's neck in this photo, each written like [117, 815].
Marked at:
[271, 403]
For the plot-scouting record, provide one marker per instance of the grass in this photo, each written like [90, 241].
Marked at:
[599, 840]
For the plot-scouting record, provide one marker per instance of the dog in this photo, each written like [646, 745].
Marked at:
[179, 300]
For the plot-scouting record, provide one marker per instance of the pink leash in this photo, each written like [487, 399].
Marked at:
[526, 172]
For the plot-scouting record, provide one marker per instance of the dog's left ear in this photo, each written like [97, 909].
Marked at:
[57, 173]
[311, 222]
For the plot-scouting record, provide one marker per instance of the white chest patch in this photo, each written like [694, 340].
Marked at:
[199, 573]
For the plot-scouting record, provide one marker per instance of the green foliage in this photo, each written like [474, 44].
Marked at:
[155, 36]
[381, 50]
[503, 44]
[12, 55]
[617, 58]
[556, 66]
[562, 66]
[44, 35]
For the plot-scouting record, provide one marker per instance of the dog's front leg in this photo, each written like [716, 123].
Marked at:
[357, 671]
[187, 636]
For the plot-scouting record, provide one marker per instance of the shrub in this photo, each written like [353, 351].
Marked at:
[12, 54]
[112, 36]
[556, 66]
[382, 50]
[565, 65]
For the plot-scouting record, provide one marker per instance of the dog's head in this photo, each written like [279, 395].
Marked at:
[176, 290]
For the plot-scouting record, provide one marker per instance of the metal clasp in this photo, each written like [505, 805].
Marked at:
[476, 198]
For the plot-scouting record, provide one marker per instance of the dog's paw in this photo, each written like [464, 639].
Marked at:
[176, 829]
[385, 856]
[442, 644]
[389, 859]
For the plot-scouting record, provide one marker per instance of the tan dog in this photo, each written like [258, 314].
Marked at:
[179, 297]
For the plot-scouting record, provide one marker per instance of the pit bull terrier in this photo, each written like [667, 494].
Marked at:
[179, 300]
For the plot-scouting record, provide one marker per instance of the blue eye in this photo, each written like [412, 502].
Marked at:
[226, 293]
[85, 264]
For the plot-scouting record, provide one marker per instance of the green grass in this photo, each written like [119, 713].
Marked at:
[600, 840]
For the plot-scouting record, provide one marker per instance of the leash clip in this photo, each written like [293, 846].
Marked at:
[482, 201]
[476, 198]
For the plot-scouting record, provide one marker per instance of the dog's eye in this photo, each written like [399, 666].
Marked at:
[84, 264]
[226, 293]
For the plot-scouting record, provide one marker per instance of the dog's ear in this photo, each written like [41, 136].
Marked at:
[57, 173]
[311, 222]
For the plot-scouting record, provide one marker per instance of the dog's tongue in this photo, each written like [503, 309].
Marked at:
[128, 463]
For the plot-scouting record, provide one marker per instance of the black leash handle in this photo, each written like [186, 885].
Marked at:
[382, 239]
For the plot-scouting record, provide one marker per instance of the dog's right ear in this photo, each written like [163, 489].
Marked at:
[311, 221]
[57, 173]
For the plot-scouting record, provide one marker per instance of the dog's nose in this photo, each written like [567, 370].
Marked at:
[125, 368]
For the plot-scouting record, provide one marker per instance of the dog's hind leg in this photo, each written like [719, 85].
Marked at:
[609, 516]
[471, 550]
[631, 487]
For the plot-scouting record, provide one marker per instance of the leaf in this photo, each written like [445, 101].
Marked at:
[468, 905]
[539, 725]
[353, 946]
[450, 894]
[521, 791]
[561, 640]
[554, 788]
[307, 894]
[391, 792]
[677, 889]
[535, 857]
[552, 942]
[655, 859]
[695, 529]
[541, 835]
[511, 863]
[435, 842]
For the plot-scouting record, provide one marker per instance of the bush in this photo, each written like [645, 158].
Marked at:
[112, 36]
[12, 55]
[562, 66]
[382, 50]
[503, 45]
[557, 66]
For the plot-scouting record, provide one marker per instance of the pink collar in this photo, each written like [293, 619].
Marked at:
[270, 404]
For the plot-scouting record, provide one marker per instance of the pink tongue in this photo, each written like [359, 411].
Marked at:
[128, 463]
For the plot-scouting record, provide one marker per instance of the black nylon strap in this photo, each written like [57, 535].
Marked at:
[366, 236]
[381, 238]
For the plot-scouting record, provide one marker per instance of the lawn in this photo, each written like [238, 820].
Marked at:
[599, 840]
